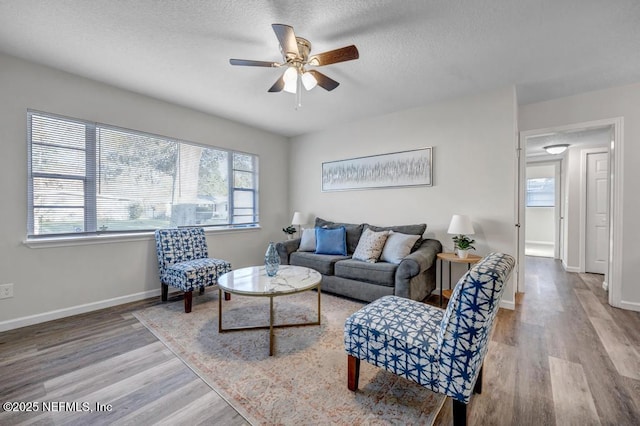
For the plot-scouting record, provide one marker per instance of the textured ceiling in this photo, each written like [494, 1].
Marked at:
[412, 52]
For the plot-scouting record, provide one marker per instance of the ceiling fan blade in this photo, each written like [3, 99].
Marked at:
[324, 81]
[343, 54]
[250, 63]
[278, 85]
[287, 40]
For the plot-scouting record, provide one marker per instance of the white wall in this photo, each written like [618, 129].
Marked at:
[53, 282]
[473, 142]
[606, 104]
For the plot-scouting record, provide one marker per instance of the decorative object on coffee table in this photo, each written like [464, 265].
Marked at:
[271, 260]
[461, 225]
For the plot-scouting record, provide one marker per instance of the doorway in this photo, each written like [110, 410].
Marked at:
[572, 219]
[542, 209]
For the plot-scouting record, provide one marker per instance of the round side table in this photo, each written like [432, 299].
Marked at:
[453, 258]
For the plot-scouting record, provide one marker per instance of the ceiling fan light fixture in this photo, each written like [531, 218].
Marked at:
[290, 78]
[309, 81]
[556, 149]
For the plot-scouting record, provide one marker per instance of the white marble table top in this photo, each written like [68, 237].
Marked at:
[253, 281]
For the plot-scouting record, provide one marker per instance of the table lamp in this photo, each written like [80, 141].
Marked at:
[461, 226]
[297, 220]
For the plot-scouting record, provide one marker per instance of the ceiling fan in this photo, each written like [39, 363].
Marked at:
[295, 52]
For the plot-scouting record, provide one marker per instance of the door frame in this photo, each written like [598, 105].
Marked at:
[614, 269]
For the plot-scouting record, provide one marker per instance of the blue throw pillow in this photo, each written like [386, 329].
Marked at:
[331, 241]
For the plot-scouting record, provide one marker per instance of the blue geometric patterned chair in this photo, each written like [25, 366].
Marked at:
[442, 350]
[183, 262]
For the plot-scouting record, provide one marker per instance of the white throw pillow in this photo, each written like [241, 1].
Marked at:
[370, 245]
[397, 247]
[308, 240]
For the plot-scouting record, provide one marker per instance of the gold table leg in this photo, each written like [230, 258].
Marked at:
[271, 327]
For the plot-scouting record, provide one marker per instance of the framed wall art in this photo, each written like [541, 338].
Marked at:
[393, 170]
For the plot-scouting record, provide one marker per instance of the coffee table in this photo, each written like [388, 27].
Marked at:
[253, 281]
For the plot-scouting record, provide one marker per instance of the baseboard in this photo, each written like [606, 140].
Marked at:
[539, 243]
[568, 268]
[605, 286]
[75, 310]
[631, 306]
[508, 304]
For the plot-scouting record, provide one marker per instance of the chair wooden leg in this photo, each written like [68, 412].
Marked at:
[165, 292]
[353, 372]
[227, 296]
[477, 388]
[459, 413]
[188, 298]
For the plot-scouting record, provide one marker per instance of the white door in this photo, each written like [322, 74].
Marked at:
[597, 232]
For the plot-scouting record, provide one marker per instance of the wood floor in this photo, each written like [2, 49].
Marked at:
[563, 357]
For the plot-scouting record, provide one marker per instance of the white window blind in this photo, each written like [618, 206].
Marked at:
[541, 192]
[89, 178]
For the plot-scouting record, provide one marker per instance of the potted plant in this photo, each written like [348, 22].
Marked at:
[463, 244]
[289, 230]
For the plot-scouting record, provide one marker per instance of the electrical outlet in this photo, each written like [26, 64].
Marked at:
[6, 291]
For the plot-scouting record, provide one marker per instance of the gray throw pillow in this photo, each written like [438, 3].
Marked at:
[397, 247]
[308, 240]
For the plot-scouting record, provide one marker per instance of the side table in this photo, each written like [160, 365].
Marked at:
[453, 258]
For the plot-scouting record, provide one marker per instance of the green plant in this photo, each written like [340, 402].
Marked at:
[289, 230]
[462, 242]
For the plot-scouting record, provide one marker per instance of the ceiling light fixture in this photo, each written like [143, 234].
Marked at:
[296, 57]
[556, 149]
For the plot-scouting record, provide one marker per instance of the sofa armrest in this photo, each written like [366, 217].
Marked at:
[285, 248]
[416, 272]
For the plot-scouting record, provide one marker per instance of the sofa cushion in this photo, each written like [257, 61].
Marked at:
[370, 246]
[354, 231]
[323, 263]
[331, 241]
[308, 240]
[397, 247]
[403, 229]
[380, 273]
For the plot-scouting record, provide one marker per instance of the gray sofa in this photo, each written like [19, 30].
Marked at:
[413, 278]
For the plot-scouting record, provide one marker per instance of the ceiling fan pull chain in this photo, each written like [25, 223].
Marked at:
[298, 92]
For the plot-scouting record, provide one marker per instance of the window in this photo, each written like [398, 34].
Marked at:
[91, 178]
[541, 192]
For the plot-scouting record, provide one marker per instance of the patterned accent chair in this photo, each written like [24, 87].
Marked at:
[442, 350]
[184, 263]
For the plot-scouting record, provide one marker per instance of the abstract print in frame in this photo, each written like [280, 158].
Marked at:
[396, 169]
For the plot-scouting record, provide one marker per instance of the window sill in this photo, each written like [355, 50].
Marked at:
[50, 242]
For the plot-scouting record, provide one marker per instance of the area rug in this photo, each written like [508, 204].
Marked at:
[305, 382]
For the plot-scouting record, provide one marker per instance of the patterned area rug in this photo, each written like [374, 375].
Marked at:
[306, 381]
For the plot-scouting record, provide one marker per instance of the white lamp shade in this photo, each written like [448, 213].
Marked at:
[297, 219]
[461, 225]
[309, 80]
[290, 78]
